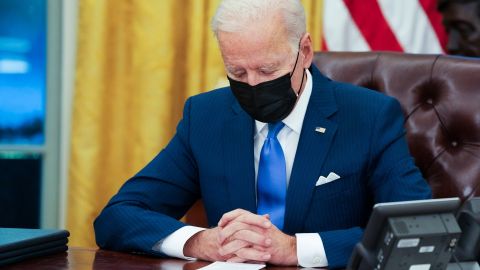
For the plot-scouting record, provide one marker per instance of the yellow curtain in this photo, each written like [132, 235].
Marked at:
[137, 62]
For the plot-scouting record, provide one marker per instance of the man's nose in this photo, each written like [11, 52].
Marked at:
[253, 79]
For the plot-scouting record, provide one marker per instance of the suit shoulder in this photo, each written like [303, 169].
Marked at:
[361, 98]
[214, 103]
[217, 95]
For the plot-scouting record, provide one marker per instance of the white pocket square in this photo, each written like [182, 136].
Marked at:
[323, 180]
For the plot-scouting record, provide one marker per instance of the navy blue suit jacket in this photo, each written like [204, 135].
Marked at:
[211, 157]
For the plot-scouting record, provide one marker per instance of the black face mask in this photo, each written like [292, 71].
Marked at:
[269, 101]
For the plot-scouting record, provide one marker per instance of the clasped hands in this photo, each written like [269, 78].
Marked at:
[242, 236]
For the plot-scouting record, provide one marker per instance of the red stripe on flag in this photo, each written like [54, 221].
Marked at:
[324, 44]
[370, 20]
[430, 7]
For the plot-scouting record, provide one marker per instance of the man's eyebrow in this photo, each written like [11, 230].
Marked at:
[266, 66]
[269, 66]
[233, 68]
[230, 66]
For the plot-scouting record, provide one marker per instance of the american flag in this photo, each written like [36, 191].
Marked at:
[413, 26]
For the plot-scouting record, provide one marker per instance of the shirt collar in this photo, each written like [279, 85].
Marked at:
[295, 119]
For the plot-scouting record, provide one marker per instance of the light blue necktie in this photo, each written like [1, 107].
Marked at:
[272, 177]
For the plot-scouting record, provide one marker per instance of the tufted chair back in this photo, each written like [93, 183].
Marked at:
[440, 97]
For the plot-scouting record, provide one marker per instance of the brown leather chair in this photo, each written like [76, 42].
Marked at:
[440, 97]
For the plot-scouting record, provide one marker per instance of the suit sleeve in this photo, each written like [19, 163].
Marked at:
[147, 207]
[392, 176]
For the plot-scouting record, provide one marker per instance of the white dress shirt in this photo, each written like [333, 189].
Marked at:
[310, 250]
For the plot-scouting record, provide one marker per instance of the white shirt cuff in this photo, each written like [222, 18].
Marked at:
[310, 250]
[173, 244]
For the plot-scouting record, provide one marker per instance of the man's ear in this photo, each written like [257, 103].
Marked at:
[306, 48]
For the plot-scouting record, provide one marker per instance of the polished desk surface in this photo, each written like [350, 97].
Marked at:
[90, 258]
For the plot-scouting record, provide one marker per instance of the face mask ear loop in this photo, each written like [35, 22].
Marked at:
[296, 61]
[303, 77]
[294, 66]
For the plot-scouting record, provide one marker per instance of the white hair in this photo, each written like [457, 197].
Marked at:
[237, 15]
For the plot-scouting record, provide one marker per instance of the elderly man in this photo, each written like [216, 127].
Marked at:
[461, 19]
[288, 163]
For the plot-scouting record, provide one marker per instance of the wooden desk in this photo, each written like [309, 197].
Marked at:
[88, 258]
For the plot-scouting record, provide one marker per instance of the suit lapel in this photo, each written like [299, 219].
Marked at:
[311, 152]
[238, 158]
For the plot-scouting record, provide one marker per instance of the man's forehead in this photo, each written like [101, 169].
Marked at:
[255, 58]
[253, 38]
[267, 33]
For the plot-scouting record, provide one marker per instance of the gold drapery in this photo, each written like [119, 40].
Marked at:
[137, 61]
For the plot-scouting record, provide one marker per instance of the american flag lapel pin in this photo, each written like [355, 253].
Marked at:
[320, 129]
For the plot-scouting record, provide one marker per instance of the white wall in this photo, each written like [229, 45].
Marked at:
[69, 42]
